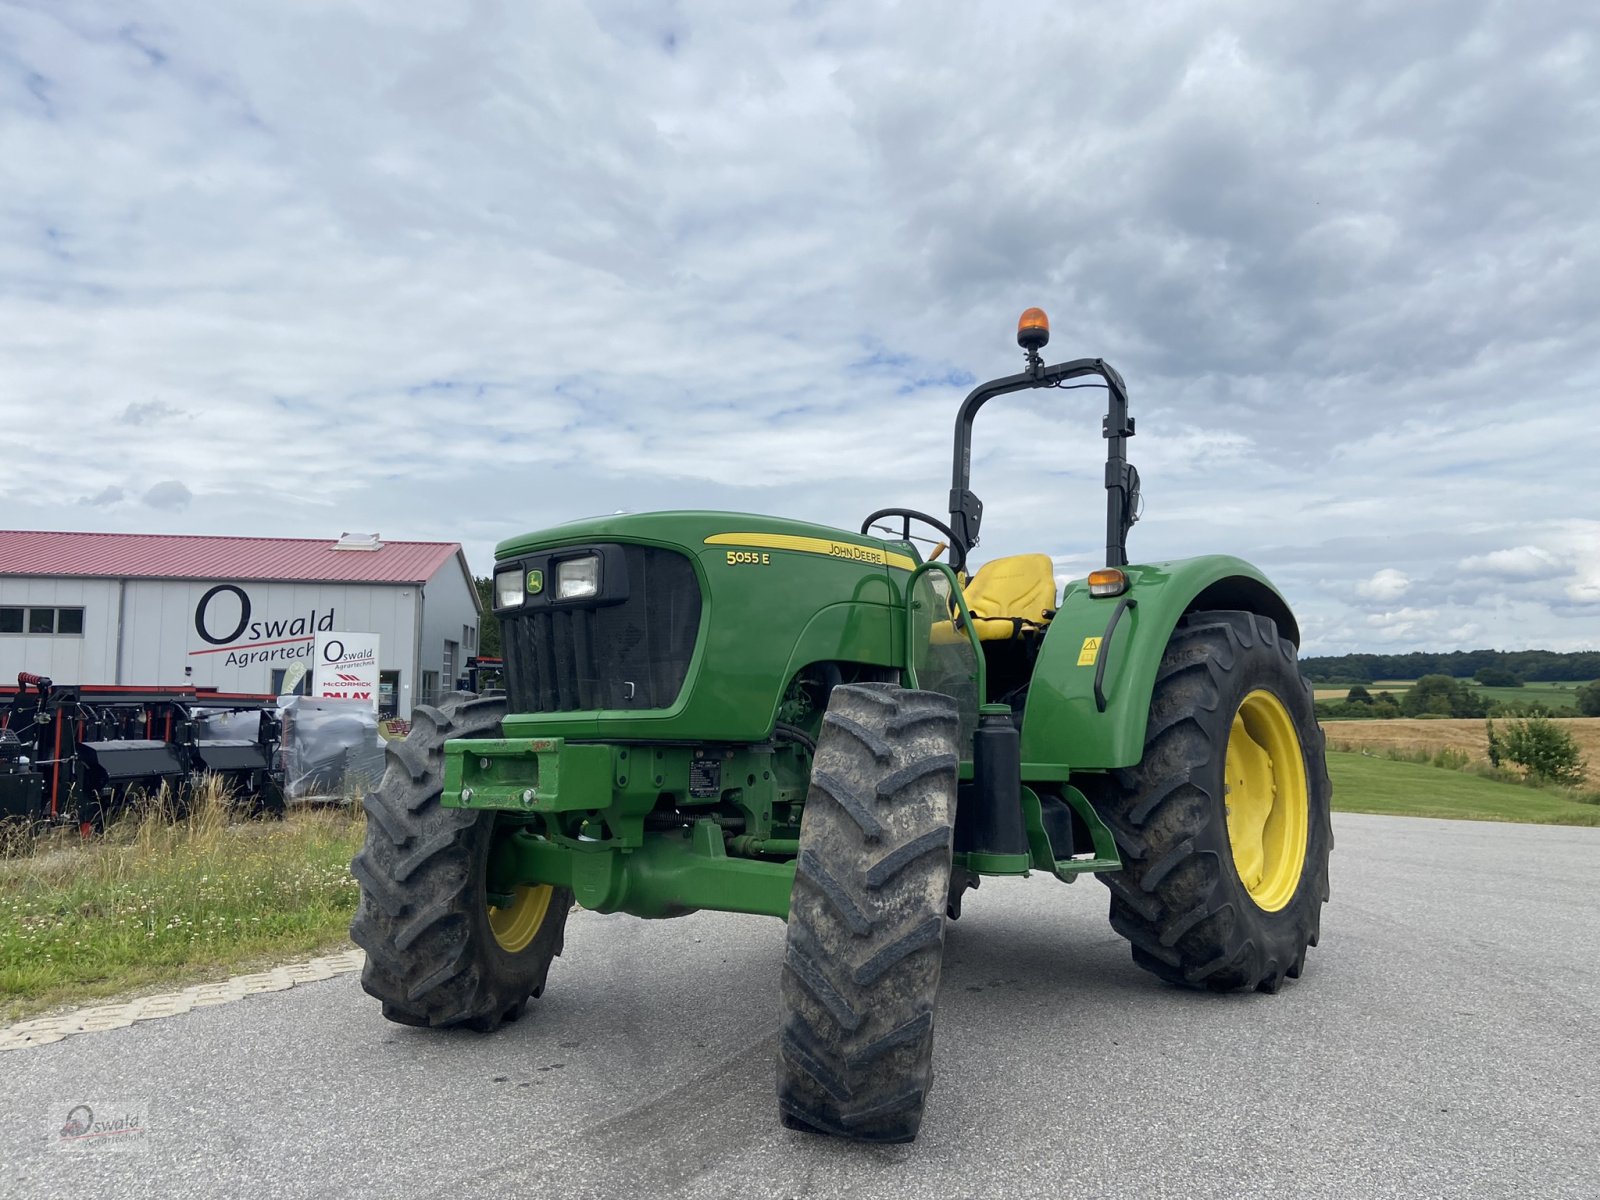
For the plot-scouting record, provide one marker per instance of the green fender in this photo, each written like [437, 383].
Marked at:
[1062, 725]
[846, 632]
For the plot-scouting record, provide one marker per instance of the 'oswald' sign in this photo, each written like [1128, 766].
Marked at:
[347, 667]
[226, 620]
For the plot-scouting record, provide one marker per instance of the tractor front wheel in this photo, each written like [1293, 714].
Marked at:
[1223, 825]
[438, 951]
[866, 919]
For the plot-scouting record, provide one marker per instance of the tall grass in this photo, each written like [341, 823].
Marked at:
[166, 896]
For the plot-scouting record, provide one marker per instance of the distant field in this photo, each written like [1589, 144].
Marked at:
[1381, 785]
[1469, 737]
[1397, 687]
[1552, 695]
[1556, 695]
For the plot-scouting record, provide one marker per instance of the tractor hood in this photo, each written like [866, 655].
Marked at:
[687, 625]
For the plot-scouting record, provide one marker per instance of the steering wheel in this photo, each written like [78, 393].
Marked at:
[958, 556]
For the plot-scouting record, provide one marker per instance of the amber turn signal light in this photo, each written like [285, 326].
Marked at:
[1033, 329]
[1108, 581]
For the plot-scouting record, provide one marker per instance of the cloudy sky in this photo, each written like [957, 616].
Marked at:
[455, 270]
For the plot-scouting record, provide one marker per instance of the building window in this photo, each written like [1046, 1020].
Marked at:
[450, 665]
[430, 687]
[37, 621]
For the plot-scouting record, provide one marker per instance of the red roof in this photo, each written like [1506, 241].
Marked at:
[166, 556]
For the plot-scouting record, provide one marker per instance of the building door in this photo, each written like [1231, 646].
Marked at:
[388, 694]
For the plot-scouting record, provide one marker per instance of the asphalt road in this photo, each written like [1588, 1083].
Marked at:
[1445, 1041]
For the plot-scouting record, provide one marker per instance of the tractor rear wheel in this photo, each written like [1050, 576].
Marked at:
[438, 953]
[1223, 825]
[866, 919]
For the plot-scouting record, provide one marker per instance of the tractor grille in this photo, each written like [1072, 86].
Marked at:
[630, 655]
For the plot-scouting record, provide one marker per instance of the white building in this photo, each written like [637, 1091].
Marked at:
[236, 614]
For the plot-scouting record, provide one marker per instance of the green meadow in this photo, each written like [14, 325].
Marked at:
[1374, 784]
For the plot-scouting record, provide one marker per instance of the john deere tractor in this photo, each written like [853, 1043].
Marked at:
[711, 710]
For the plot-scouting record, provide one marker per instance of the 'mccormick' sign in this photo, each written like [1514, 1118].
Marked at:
[226, 619]
[347, 667]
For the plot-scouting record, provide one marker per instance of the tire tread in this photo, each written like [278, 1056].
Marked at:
[866, 922]
[1178, 899]
[431, 959]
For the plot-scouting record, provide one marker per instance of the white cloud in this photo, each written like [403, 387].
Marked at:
[1403, 624]
[1585, 589]
[1519, 562]
[1388, 584]
[1579, 541]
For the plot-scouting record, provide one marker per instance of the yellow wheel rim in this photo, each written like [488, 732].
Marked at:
[1268, 810]
[516, 925]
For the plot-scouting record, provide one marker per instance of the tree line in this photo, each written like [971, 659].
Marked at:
[1444, 696]
[1541, 665]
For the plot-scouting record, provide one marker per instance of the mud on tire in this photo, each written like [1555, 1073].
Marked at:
[432, 958]
[866, 920]
[1179, 898]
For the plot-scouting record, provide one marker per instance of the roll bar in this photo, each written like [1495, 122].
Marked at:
[1122, 481]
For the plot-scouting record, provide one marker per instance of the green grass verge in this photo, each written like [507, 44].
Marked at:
[1380, 785]
[155, 904]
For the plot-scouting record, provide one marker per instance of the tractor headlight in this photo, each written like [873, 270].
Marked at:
[578, 577]
[508, 591]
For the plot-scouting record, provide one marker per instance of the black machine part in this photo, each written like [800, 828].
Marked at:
[22, 796]
[989, 812]
[230, 754]
[21, 787]
[118, 762]
[958, 554]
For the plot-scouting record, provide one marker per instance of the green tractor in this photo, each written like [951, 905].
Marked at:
[712, 710]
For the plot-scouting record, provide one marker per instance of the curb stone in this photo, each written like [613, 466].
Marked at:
[42, 1031]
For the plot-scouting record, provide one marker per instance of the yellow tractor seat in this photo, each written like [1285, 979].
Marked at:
[1011, 595]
